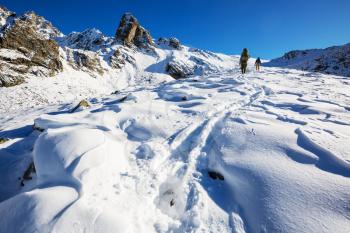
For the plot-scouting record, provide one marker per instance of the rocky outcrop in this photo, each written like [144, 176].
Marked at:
[170, 42]
[34, 53]
[42, 27]
[332, 60]
[179, 69]
[85, 60]
[195, 62]
[83, 104]
[130, 32]
[117, 60]
[3, 140]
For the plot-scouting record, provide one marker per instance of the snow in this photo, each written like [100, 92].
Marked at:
[219, 151]
[11, 54]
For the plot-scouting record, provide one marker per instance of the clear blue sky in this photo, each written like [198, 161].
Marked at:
[267, 27]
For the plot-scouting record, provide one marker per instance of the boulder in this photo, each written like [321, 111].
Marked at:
[179, 69]
[3, 140]
[83, 104]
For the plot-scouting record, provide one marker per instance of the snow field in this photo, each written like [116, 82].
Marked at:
[139, 161]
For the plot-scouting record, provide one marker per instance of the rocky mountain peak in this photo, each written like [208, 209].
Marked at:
[26, 48]
[5, 15]
[130, 32]
[43, 27]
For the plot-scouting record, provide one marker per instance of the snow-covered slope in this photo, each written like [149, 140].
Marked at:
[265, 152]
[88, 64]
[169, 139]
[78, 82]
[332, 60]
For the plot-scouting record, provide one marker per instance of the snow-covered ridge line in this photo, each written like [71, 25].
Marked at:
[332, 60]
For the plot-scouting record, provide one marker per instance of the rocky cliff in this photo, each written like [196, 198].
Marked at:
[130, 32]
[27, 48]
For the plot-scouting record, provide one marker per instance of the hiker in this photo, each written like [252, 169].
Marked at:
[257, 64]
[243, 61]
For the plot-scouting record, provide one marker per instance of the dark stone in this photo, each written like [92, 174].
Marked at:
[27, 173]
[215, 175]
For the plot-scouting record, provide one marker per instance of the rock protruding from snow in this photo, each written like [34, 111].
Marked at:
[187, 61]
[83, 104]
[85, 60]
[332, 60]
[27, 38]
[130, 32]
[117, 60]
[179, 69]
[171, 42]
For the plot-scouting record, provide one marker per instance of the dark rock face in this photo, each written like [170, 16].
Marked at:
[43, 27]
[117, 60]
[85, 60]
[130, 32]
[171, 42]
[35, 53]
[178, 69]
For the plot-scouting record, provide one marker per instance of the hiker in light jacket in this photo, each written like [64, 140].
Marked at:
[257, 64]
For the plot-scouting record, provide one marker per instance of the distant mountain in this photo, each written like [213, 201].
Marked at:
[332, 60]
[30, 47]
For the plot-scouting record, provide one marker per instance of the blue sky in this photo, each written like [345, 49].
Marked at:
[268, 28]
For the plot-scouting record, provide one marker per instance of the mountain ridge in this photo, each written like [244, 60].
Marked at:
[331, 60]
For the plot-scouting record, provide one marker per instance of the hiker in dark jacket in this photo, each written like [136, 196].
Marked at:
[257, 64]
[243, 61]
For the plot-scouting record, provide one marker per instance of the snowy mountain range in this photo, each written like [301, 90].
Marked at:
[332, 60]
[31, 49]
[131, 134]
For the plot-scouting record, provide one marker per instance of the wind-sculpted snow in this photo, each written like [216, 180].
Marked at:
[265, 152]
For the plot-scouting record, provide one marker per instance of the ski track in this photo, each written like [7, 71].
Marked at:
[166, 172]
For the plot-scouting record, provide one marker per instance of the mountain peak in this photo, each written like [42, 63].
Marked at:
[5, 14]
[130, 32]
[41, 25]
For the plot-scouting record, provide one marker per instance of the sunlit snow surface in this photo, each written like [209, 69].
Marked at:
[280, 138]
